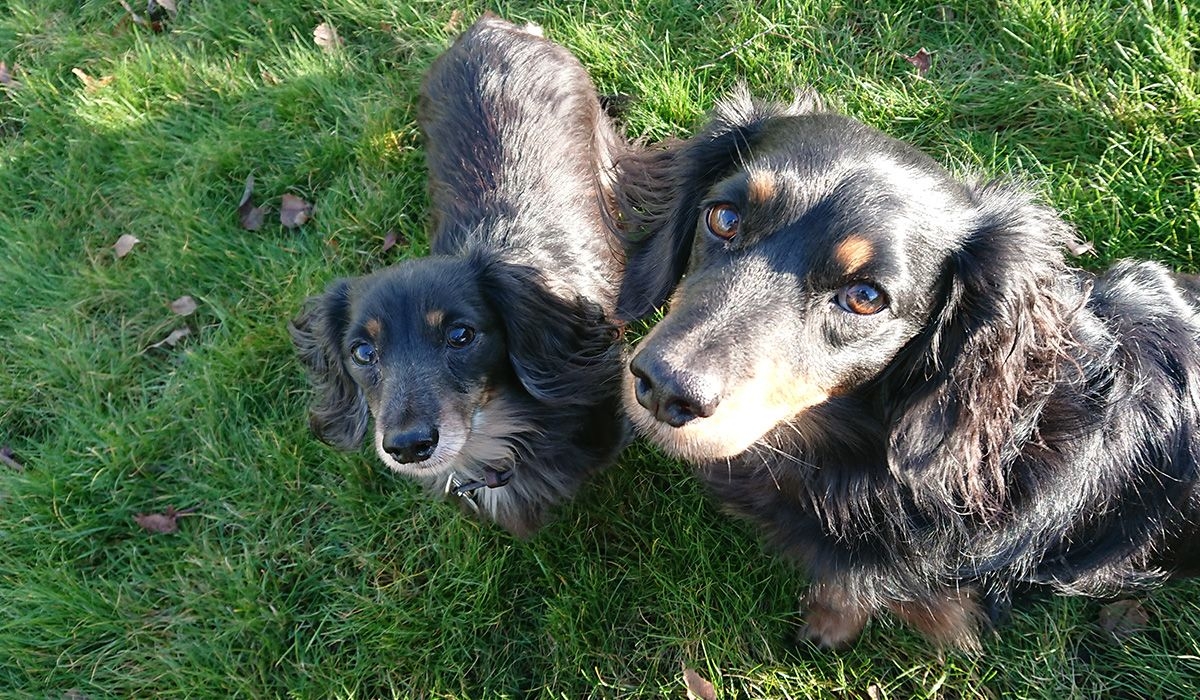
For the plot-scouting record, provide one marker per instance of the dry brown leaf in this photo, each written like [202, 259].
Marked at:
[90, 83]
[698, 688]
[125, 244]
[184, 305]
[6, 78]
[1123, 618]
[164, 523]
[249, 216]
[1078, 247]
[455, 20]
[874, 692]
[294, 211]
[327, 37]
[922, 59]
[390, 240]
[172, 338]
[9, 459]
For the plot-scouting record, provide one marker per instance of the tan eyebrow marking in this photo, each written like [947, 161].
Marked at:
[760, 187]
[373, 328]
[853, 253]
[434, 318]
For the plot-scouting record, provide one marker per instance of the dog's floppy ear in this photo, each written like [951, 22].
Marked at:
[339, 413]
[563, 352]
[973, 385]
[659, 190]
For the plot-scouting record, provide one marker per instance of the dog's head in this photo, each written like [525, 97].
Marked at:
[824, 258]
[427, 347]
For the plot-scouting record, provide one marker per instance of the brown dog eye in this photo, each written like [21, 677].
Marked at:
[862, 299]
[363, 354]
[722, 221]
[460, 336]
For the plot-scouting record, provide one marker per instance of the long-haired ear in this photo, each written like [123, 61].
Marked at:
[659, 189]
[338, 414]
[563, 352]
[971, 391]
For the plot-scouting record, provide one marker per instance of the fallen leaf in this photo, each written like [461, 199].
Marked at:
[874, 692]
[90, 83]
[1078, 247]
[452, 24]
[327, 37]
[6, 78]
[9, 459]
[294, 211]
[149, 22]
[249, 216]
[168, 5]
[1123, 618]
[172, 338]
[164, 523]
[184, 305]
[922, 59]
[390, 240]
[698, 688]
[125, 244]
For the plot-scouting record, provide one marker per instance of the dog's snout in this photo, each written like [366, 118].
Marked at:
[675, 396]
[411, 444]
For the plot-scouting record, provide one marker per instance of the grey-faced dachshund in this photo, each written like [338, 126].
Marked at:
[899, 377]
[490, 369]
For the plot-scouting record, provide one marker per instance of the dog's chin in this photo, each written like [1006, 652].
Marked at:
[741, 420]
[442, 461]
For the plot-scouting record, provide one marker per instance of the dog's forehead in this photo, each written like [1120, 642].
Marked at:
[427, 292]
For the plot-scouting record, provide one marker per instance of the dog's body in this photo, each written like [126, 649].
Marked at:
[491, 367]
[899, 378]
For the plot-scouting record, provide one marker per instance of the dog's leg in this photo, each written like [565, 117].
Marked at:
[950, 618]
[832, 619]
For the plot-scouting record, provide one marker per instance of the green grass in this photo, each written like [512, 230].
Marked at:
[308, 573]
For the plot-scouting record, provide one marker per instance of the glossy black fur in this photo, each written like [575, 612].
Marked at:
[1007, 421]
[520, 155]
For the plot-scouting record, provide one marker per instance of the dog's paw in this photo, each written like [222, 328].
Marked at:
[830, 623]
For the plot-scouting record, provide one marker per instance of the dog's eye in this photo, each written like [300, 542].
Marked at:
[363, 354]
[862, 299]
[460, 336]
[722, 220]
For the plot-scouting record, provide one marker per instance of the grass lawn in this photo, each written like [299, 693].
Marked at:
[299, 571]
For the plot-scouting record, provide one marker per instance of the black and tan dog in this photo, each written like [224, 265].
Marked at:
[897, 375]
[491, 368]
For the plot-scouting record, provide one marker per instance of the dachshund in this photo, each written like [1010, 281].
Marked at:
[491, 369]
[896, 374]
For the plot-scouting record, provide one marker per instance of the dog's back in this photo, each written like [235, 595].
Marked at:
[520, 155]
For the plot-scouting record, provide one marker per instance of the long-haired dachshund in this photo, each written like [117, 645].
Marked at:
[491, 369]
[897, 375]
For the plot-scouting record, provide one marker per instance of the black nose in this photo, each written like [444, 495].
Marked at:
[675, 396]
[411, 444]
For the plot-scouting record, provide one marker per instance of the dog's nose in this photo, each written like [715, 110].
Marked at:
[674, 396]
[411, 444]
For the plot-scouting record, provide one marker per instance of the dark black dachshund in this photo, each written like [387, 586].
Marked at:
[491, 369]
[897, 375]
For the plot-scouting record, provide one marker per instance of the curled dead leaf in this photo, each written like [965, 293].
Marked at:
[1123, 618]
[453, 23]
[922, 59]
[698, 688]
[125, 244]
[249, 216]
[90, 83]
[184, 305]
[1078, 247]
[294, 211]
[9, 459]
[390, 239]
[172, 338]
[6, 78]
[327, 37]
[163, 523]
